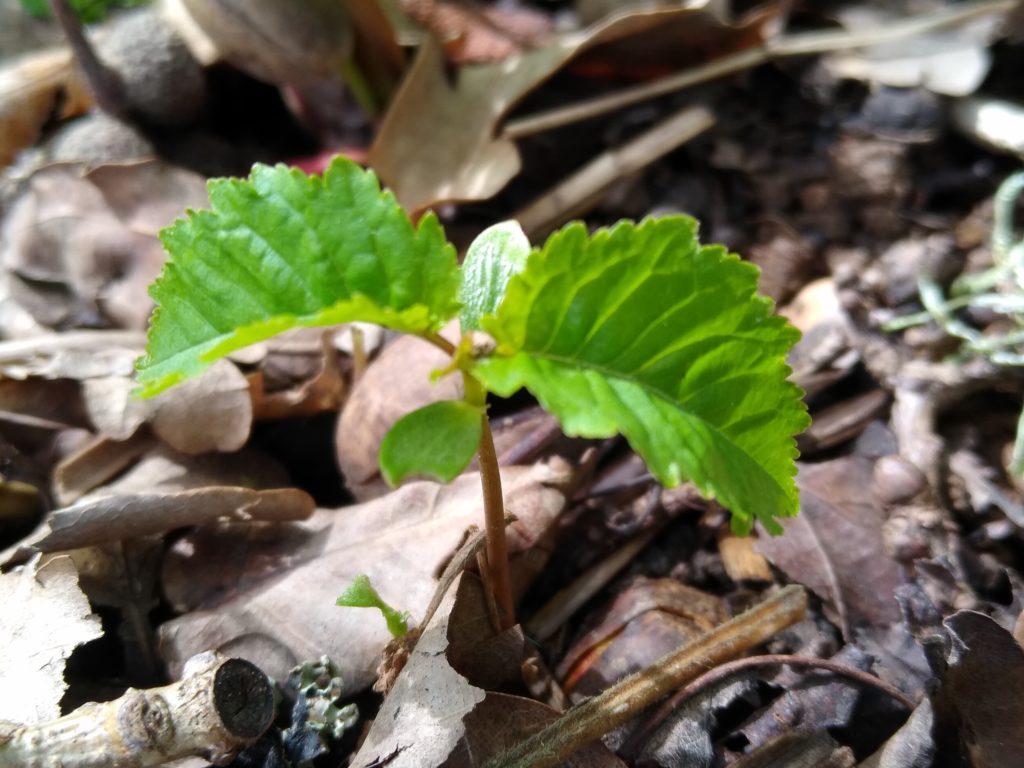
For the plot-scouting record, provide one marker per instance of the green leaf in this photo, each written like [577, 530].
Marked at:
[282, 250]
[87, 10]
[641, 330]
[436, 441]
[361, 594]
[493, 257]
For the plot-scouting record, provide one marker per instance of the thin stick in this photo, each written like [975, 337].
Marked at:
[578, 192]
[104, 83]
[627, 698]
[713, 677]
[494, 525]
[786, 46]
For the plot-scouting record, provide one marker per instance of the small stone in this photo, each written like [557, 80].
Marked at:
[897, 480]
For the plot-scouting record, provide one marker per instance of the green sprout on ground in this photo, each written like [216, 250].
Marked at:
[361, 594]
[636, 329]
[999, 289]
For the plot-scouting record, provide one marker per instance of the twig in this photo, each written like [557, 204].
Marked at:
[575, 194]
[713, 677]
[220, 707]
[627, 698]
[104, 83]
[786, 46]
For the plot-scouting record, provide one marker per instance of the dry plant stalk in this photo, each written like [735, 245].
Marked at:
[219, 707]
[627, 698]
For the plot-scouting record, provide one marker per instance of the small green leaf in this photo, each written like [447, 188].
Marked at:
[493, 257]
[361, 594]
[282, 250]
[642, 330]
[87, 10]
[435, 441]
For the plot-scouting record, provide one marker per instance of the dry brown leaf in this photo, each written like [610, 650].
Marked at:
[468, 160]
[77, 355]
[835, 545]
[212, 412]
[279, 41]
[439, 712]
[80, 249]
[94, 463]
[488, 34]
[948, 62]
[983, 685]
[116, 518]
[420, 721]
[165, 470]
[268, 595]
[45, 617]
[31, 89]
[396, 383]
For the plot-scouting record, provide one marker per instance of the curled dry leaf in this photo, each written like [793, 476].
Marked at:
[268, 595]
[835, 545]
[438, 712]
[471, 35]
[947, 62]
[983, 686]
[279, 41]
[45, 617]
[647, 620]
[159, 489]
[212, 412]
[395, 384]
[80, 247]
[115, 518]
[469, 160]
[31, 87]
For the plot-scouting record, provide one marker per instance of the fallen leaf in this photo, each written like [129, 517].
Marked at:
[45, 617]
[439, 711]
[114, 518]
[420, 721]
[75, 355]
[947, 62]
[31, 88]
[814, 702]
[81, 250]
[267, 594]
[395, 384]
[96, 462]
[212, 412]
[835, 545]
[469, 160]
[472, 35]
[685, 737]
[983, 685]
[501, 721]
[643, 623]
[912, 746]
[278, 41]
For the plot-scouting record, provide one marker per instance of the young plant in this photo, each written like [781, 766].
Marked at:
[636, 330]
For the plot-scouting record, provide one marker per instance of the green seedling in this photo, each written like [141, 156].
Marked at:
[361, 594]
[999, 289]
[636, 329]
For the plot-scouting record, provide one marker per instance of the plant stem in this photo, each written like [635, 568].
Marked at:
[494, 525]
[627, 698]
